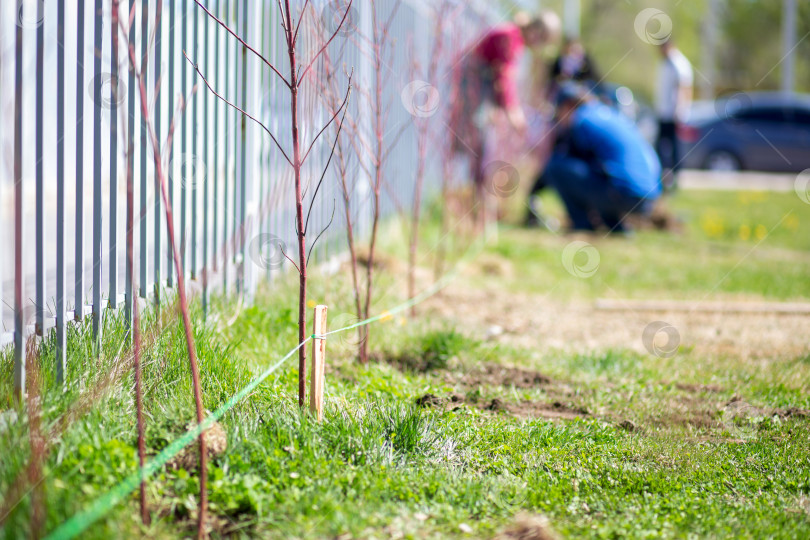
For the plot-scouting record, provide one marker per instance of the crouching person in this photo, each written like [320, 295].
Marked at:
[602, 167]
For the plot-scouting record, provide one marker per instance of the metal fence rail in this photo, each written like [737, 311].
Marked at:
[67, 90]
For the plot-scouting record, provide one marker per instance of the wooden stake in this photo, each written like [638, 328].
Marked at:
[318, 361]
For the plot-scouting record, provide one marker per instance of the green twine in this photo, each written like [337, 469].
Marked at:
[98, 508]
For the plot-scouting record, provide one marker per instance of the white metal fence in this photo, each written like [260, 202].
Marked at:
[68, 108]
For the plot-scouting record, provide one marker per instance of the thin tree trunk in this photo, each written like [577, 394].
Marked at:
[136, 332]
[181, 294]
[378, 163]
[415, 217]
[299, 210]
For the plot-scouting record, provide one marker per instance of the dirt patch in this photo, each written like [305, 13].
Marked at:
[660, 219]
[495, 375]
[189, 458]
[429, 400]
[452, 401]
[535, 409]
[699, 419]
[801, 505]
[522, 409]
[794, 412]
[732, 414]
[719, 440]
[737, 407]
[529, 527]
[408, 362]
[537, 321]
[699, 388]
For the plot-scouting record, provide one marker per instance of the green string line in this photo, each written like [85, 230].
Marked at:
[81, 521]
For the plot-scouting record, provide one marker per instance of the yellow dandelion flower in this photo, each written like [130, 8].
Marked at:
[761, 232]
[312, 303]
[745, 232]
[712, 224]
[386, 316]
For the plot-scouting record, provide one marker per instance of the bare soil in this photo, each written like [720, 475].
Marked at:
[521, 409]
[497, 375]
[529, 527]
[536, 321]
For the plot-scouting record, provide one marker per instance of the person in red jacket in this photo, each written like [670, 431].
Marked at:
[489, 85]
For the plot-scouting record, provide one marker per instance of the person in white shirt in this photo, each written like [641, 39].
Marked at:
[672, 103]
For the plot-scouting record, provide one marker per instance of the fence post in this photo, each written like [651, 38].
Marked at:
[98, 204]
[40, 181]
[78, 310]
[61, 328]
[318, 360]
[19, 207]
[250, 151]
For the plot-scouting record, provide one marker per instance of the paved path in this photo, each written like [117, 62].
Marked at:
[748, 181]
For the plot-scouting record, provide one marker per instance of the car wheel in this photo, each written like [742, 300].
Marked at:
[722, 160]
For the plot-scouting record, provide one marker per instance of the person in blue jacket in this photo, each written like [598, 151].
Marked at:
[602, 167]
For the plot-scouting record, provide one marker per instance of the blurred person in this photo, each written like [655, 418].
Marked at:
[573, 63]
[488, 82]
[673, 99]
[602, 167]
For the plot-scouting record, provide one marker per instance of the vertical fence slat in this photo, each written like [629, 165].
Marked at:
[274, 125]
[207, 154]
[143, 286]
[97, 202]
[158, 94]
[79, 245]
[245, 81]
[215, 171]
[183, 158]
[237, 130]
[40, 183]
[115, 99]
[61, 336]
[239, 222]
[128, 276]
[19, 274]
[226, 154]
[236, 162]
[195, 135]
[261, 81]
[268, 149]
[249, 215]
[172, 54]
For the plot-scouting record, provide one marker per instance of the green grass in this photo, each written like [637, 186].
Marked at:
[743, 245]
[380, 466]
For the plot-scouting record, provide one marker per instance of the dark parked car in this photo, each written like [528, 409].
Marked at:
[758, 131]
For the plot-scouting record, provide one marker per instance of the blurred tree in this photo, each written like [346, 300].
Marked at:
[749, 44]
[750, 52]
